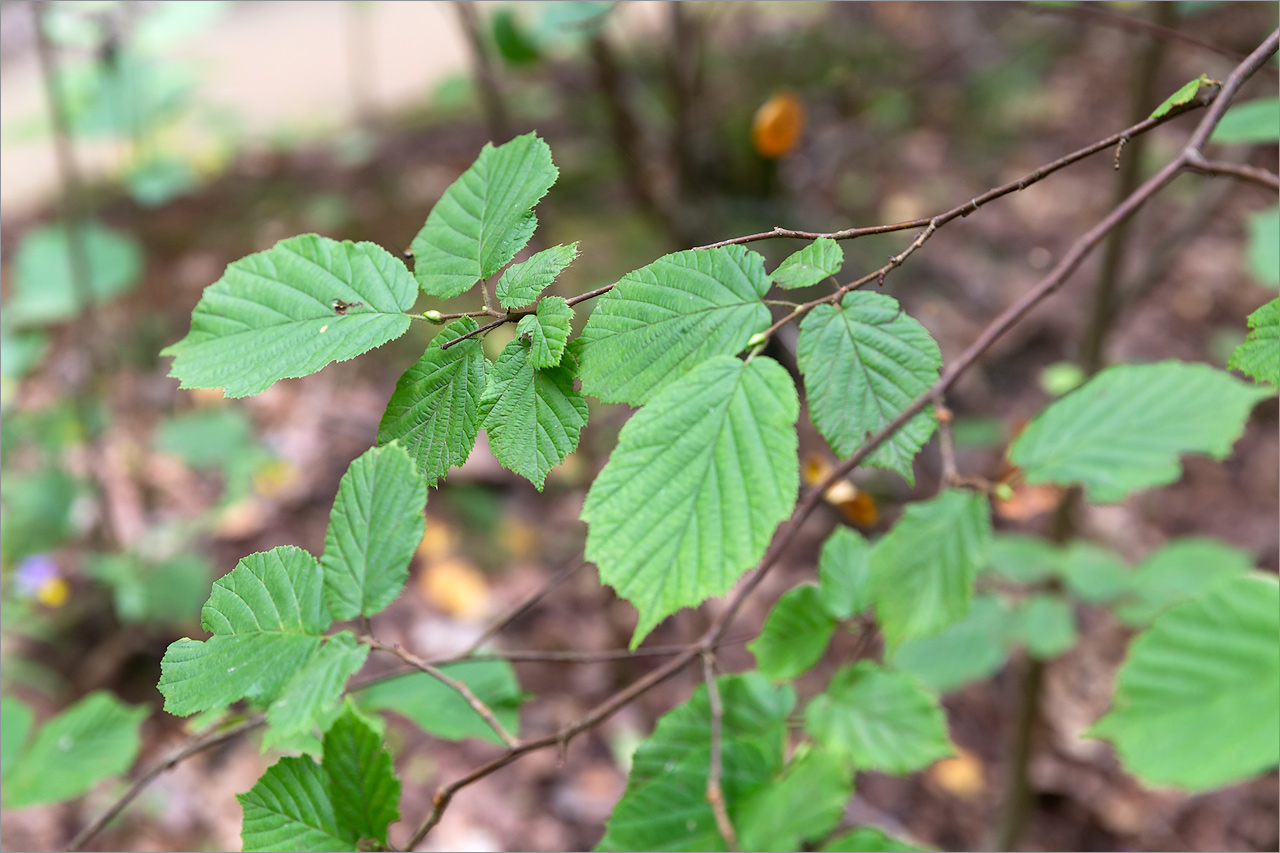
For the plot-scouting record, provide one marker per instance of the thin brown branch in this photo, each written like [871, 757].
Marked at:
[527, 603]
[788, 531]
[505, 318]
[1096, 14]
[183, 752]
[590, 294]
[560, 738]
[484, 312]
[930, 226]
[1065, 267]
[715, 794]
[477, 705]
[1196, 162]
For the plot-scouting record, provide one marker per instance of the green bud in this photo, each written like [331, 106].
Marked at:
[1004, 491]
[756, 340]
[433, 315]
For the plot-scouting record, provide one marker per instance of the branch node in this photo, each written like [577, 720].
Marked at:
[1124, 140]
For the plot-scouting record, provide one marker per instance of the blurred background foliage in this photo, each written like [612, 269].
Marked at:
[673, 125]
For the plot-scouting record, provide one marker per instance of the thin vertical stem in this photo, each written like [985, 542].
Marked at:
[1106, 304]
[72, 194]
[495, 106]
[1106, 297]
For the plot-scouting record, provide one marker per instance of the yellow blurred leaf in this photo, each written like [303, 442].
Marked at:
[960, 776]
[455, 587]
[207, 397]
[858, 507]
[519, 538]
[275, 477]
[777, 126]
[437, 541]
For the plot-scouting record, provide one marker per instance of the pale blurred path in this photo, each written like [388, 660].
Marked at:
[275, 64]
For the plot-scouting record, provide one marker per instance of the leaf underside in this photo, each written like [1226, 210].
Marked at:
[1196, 700]
[1127, 428]
[820, 259]
[923, 570]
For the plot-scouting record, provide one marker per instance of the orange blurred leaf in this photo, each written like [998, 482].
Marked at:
[777, 126]
[858, 507]
[455, 587]
[961, 775]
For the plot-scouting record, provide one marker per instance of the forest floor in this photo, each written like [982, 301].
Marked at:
[492, 539]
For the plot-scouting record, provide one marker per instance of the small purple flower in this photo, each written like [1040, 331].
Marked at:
[33, 573]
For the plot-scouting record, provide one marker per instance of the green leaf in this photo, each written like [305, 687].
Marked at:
[864, 361]
[1095, 574]
[868, 839]
[484, 217]
[434, 411]
[548, 330]
[795, 634]
[95, 738]
[1126, 428]
[1196, 700]
[661, 321]
[844, 573]
[272, 314]
[1259, 356]
[665, 805]
[1249, 122]
[366, 792]
[15, 724]
[820, 259]
[21, 352]
[44, 287]
[1181, 570]
[167, 593]
[515, 45]
[439, 710]
[266, 616]
[1262, 252]
[375, 525]
[1047, 625]
[1023, 559]
[521, 283]
[207, 438]
[879, 720]
[533, 416]
[804, 803]
[967, 651]
[699, 481]
[315, 689]
[1182, 96]
[291, 808]
[923, 570]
